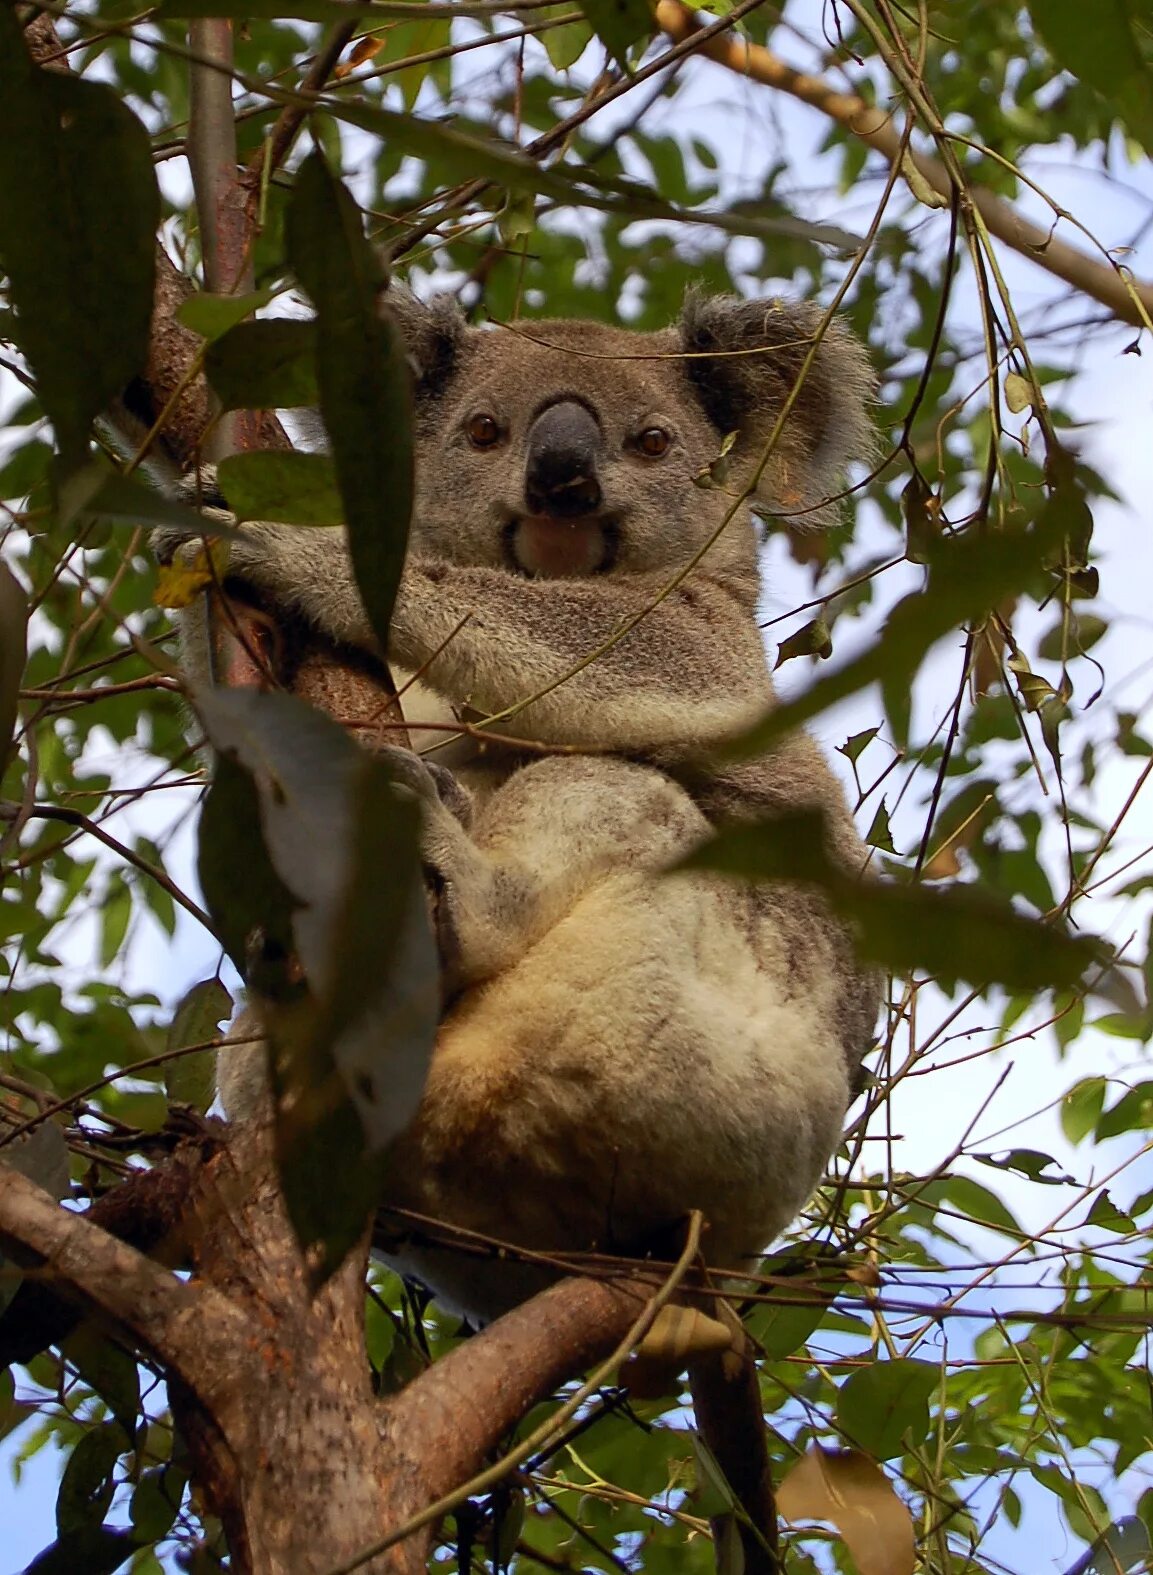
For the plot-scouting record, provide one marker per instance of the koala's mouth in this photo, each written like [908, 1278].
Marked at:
[547, 548]
[256, 646]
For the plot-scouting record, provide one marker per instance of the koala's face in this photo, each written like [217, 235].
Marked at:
[567, 450]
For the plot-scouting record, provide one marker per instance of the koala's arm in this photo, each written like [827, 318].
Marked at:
[691, 672]
[533, 850]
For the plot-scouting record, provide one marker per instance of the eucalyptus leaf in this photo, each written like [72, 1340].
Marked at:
[364, 380]
[13, 653]
[288, 487]
[884, 1408]
[341, 862]
[265, 365]
[950, 933]
[79, 210]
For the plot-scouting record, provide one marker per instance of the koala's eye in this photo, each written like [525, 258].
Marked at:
[653, 442]
[483, 431]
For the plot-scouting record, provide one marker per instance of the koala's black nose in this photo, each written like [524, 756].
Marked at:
[564, 444]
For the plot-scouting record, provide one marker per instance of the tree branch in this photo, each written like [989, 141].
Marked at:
[1130, 300]
[172, 1320]
[146, 1210]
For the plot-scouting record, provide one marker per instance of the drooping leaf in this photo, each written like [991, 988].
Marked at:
[954, 933]
[291, 488]
[1133, 1112]
[567, 43]
[155, 1502]
[79, 209]
[976, 1203]
[349, 1060]
[41, 1154]
[364, 381]
[191, 1079]
[265, 365]
[249, 903]
[884, 1407]
[93, 492]
[852, 1491]
[13, 652]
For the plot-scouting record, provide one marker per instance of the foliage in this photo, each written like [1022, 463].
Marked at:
[969, 1310]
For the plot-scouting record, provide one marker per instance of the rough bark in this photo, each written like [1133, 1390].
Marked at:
[305, 1466]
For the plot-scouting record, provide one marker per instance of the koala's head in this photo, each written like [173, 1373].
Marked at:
[561, 448]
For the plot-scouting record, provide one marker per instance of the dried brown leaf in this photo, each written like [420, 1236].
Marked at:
[851, 1491]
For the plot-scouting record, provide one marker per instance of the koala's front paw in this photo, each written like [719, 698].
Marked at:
[434, 784]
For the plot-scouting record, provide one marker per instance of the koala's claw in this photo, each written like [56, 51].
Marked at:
[426, 780]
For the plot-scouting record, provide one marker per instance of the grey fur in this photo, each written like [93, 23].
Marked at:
[621, 1046]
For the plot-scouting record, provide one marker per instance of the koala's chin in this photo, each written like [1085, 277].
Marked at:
[618, 1045]
[551, 549]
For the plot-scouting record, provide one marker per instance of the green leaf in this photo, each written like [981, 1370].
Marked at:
[812, 639]
[87, 1485]
[619, 24]
[856, 744]
[95, 1550]
[109, 1371]
[979, 1205]
[1124, 1545]
[191, 1079]
[1105, 51]
[567, 43]
[781, 1329]
[115, 913]
[267, 365]
[884, 1407]
[250, 905]
[968, 577]
[155, 1502]
[1107, 1216]
[1028, 1162]
[1084, 630]
[93, 492]
[210, 315]
[42, 1155]
[364, 379]
[13, 654]
[79, 210]
[950, 933]
[1081, 1107]
[1133, 1112]
[879, 835]
[291, 488]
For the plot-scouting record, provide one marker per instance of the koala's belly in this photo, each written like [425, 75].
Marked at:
[644, 1059]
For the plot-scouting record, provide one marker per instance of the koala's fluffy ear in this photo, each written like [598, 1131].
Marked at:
[433, 333]
[745, 357]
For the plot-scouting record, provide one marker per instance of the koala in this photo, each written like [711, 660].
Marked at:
[619, 1045]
